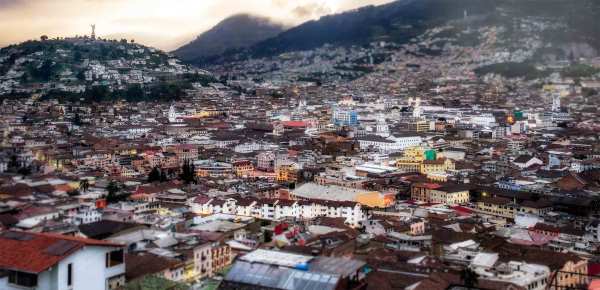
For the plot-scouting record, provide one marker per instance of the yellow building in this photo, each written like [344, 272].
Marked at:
[497, 206]
[415, 154]
[286, 173]
[437, 166]
[573, 274]
[438, 177]
[418, 126]
[408, 166]
[449, 195]
[243, 168]
[412, 159]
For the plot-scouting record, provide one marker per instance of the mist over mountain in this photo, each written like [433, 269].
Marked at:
[402, 20]
[237, 31]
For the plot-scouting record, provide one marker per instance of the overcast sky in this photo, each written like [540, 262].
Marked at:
[165, 24]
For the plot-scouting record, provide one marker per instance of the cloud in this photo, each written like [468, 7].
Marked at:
[311, 10]
[161, 23]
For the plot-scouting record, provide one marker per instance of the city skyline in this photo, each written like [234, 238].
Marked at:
[415, 144]
[158, 23]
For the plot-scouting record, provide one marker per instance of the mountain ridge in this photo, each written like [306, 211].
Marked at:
[402, 20]
[234, 32]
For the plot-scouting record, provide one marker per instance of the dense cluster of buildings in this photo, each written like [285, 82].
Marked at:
[417, 175]
[76, 64]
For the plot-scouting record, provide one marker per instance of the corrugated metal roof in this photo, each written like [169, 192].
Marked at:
[279, 277]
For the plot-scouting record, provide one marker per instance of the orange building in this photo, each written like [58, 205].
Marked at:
[376, 199]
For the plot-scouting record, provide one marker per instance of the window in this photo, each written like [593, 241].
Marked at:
[22, 279]
[70, 274]
[114, 258]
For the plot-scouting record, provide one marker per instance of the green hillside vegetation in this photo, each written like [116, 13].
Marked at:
[105, 69]
[512, 70]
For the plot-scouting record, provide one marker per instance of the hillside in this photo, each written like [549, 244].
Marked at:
[571, 24]
[94, 69]
[398, 22]
[237, 31]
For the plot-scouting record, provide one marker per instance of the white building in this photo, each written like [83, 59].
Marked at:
[87, 215]
[593, 230]
[528, 276]
[484, 120]
[55, 262]
[352, 212]
[390, 144]
[265, 161]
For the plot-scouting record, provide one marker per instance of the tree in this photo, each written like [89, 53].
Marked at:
[73, 193]
[13, 163]
[134, 93]
[77, 56]
[97, 93]
[188, 172]
[153, 282]
[113, 189]
[81, 75]
[26, 170]
[46, 71]
[154, 175]
[77, 119]
[84, 185]
[469, 278]
[44, 37]
[268, 236]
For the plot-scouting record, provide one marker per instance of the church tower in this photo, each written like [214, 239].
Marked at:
[383, 129]
[556, 103]
[172, 114]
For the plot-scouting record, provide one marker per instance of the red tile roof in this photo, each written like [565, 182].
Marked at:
[294, 124]
[462, 210]
[35, 252]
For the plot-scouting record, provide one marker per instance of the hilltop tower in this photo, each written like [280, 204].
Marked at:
[93, 35]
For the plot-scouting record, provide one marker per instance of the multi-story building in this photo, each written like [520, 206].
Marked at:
[436, 193]
[210, 168]
[210, 258]
[389, 144]
[243, 168]
[344, 118]
[265, 161]
[286, 172]
[497, 206]
[528, 276]
[352, 212]
[52, 261]
[440, 165]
